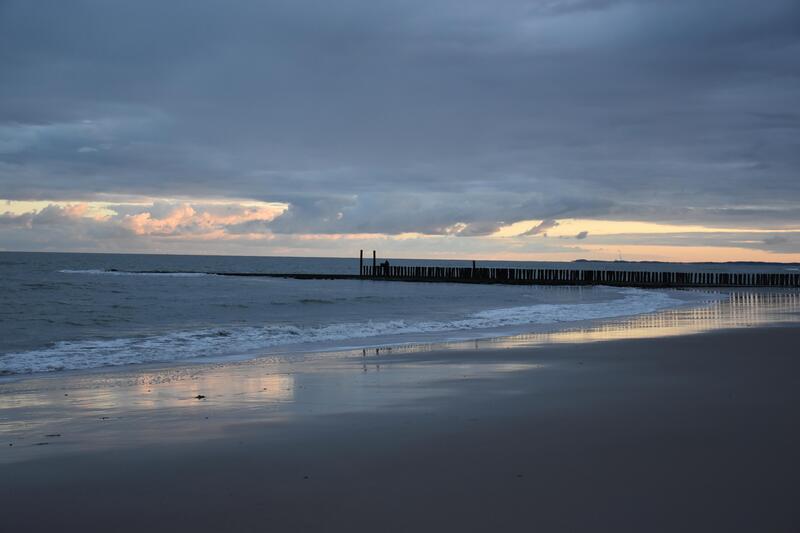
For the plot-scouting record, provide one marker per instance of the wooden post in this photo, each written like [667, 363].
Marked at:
[361, 263]
[374, 263]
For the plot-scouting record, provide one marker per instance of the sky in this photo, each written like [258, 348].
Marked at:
[541, 130]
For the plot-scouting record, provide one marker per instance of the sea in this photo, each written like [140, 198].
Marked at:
[73, 312]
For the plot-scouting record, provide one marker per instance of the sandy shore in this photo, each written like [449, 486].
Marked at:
[687, 433]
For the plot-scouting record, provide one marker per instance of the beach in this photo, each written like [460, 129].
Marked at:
[400, 266]
[687, 432]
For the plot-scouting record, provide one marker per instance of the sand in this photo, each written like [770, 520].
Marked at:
[687, 433]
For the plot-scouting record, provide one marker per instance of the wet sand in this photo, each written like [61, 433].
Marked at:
[686, 433]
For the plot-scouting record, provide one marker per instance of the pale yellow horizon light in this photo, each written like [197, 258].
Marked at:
[571, 226]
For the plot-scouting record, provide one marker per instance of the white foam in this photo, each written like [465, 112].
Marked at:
[84, 354]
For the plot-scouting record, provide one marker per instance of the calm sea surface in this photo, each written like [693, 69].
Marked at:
[80, 311]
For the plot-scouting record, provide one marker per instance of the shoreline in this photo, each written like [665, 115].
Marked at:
[746, 309]
[218, 343]
[715, 312]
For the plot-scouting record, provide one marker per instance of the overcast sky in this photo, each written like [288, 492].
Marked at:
[424, 127]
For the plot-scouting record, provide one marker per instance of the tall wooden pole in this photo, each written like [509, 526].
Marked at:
[361, 263]
[374, 262]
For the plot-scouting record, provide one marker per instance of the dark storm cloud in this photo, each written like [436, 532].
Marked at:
[436, 116]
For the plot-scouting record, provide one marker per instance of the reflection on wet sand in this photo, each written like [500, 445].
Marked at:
[740, 309]
[98, 410]
[723, 310]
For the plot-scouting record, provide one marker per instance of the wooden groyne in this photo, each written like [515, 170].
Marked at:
[534, 276]
[543, 276]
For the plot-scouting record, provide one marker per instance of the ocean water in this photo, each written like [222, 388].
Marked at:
[82, 311]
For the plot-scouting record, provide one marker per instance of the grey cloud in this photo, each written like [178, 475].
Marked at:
[410, 116]
[581, 235]
[540, 228]
[434, 213]
[776, 240]
[11, 220]
[476, 229]
[787, 243]
[51, 215]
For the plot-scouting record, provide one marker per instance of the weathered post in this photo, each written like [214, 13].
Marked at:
[361, 263]
[374, 263]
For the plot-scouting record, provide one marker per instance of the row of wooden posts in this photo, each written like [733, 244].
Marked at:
[544, 276]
